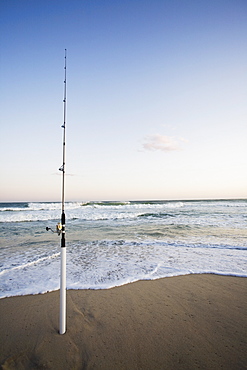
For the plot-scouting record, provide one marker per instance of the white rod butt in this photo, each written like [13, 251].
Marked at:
[62, 325]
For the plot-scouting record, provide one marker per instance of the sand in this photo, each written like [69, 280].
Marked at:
[185, 322]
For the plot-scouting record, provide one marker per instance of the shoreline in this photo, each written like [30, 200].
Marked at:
[183, 322]
[96, 288]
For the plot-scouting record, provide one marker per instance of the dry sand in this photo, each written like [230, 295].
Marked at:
[185, 322]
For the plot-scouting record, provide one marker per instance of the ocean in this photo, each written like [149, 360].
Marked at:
[114, 243]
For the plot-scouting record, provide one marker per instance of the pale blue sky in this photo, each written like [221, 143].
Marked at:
[157, 99]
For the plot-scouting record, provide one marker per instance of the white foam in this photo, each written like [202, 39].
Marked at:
[110, 245]
[28, 264]
[105, 264]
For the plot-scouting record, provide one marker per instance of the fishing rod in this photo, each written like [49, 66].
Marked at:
[62, 322]
[60, 227]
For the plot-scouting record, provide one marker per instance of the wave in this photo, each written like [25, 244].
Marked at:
[192, 212]
[90, 211]
[105, 203]
[54, 216]
[108, 263]
[134, 203]
[52, 206]
[156, 215]
[12, 207]
[29, 264]
[36, 206]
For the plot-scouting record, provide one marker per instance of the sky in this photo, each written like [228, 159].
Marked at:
[156, 99]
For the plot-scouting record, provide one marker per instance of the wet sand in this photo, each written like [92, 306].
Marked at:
[184, 322]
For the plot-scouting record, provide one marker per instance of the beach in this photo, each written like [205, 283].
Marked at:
[183, 322]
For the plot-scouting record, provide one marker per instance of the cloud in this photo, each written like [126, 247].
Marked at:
[162, 142]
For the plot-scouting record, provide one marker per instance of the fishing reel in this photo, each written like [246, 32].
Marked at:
[58, 229]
